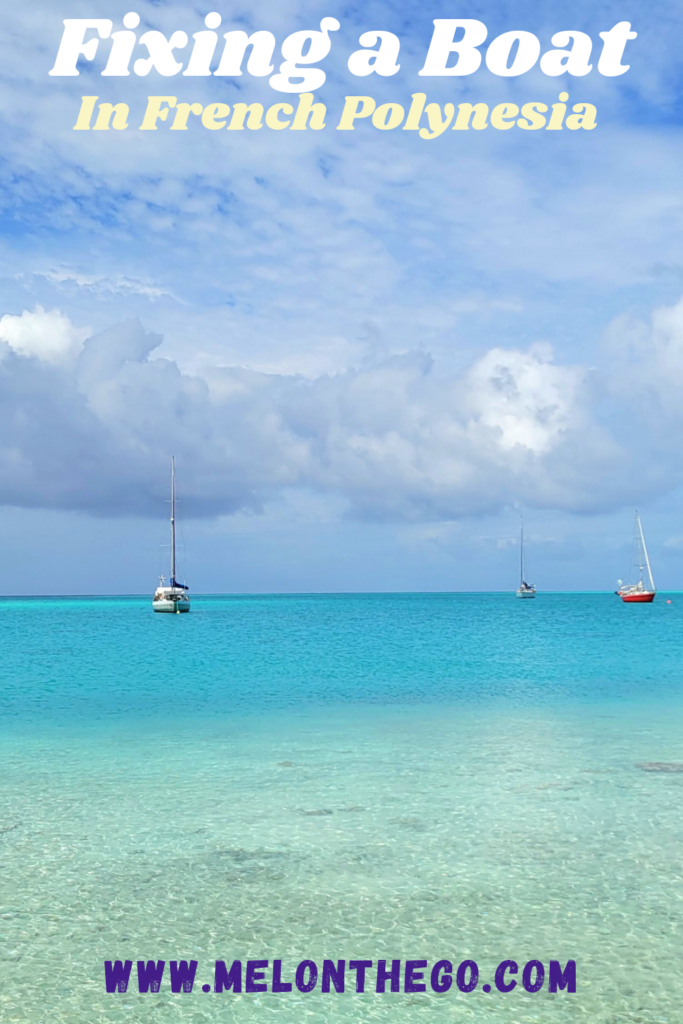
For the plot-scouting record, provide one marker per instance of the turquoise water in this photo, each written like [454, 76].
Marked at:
[358, 777]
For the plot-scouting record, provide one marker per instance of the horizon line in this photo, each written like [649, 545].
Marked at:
[316, 593]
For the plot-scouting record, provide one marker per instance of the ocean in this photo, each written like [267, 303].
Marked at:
[411, 776]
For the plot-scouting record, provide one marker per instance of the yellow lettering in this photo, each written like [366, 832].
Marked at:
[583, 118]
[465, 111]
[557, 116]
[154, 111]
[120, 112]
[415, 113]
[273, 121]
[213, 111]
[240, 111]
[532, 118]
[307, 108]
[351, 111]
[85, 113]
[183, 111]
[388, 116]
[503, 116]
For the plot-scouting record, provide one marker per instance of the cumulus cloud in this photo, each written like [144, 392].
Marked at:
[49, 336]
[396, 439]
[645, 381]
[528, 399]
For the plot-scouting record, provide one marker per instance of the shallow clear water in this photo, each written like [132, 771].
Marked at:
[358, 777]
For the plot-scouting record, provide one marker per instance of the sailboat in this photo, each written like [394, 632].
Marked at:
[525, 589]
[643, 591]
[175, 596]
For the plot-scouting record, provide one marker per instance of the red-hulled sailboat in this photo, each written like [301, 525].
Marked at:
[643, 591]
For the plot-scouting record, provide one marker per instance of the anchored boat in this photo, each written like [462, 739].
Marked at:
[642, 592]
[525, 589]
[174, 597]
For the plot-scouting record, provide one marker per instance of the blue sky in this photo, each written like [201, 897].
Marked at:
[369, 352]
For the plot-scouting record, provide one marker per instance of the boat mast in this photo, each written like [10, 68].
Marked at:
[521, 554]
[172, 520]
[644, 548]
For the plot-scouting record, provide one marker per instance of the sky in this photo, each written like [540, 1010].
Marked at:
[370, 353]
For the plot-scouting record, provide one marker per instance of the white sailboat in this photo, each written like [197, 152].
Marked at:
[174, 597]
[525, 589]
[642, 592]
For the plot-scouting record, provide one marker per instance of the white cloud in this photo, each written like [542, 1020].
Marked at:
[395, 439]
[524, 396]
[49, 336]
[646, 368]
[319, 256]
[117, 285]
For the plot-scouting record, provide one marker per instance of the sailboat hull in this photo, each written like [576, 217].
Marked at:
[644, 598]
[171, 606]
[171, 599]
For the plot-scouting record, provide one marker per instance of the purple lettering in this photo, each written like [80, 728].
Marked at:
[278, 984]
[306, 986]
[506, 965]
[467, 986]
[414, 976]
[333, 974]
[255, 974]
[557, 978]
[182, 975]
[529, 985]
[150, 975]
[442, 983]
[225, 979]
[116, 975]
[383, 975]
[360, 967]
